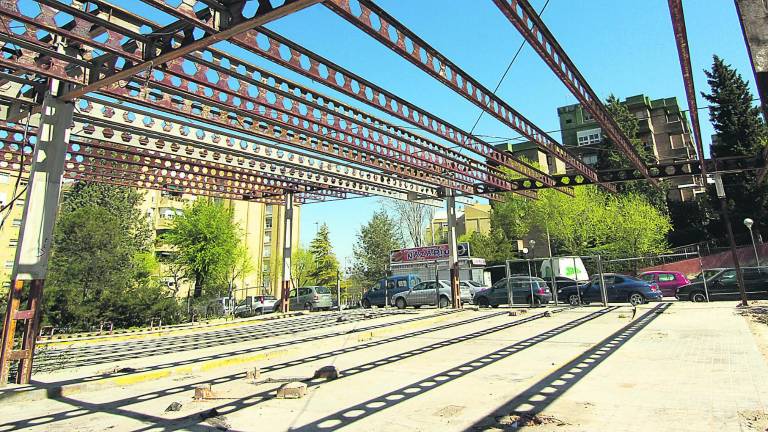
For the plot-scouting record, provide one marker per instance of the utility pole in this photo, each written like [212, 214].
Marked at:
[731, 240]
[453, 259]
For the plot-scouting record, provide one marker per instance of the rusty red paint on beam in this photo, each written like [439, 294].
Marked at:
[408, 45]
[525, 19]
[288, 7]
[268, 45]
[681, 38]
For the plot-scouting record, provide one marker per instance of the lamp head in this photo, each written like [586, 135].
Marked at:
[748, 223]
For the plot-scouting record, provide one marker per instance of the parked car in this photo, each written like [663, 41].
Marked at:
[708, 273]
[256, 305]
[311, 298]
[426, 294]
[724, 285]
[473, 286]
[525, 290]
[388, 286]
[618, 288]
[668, 281]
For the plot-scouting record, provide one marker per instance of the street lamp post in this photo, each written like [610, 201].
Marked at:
[726, 218]
[748, 223]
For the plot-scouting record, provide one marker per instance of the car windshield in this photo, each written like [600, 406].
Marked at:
[322, 290]
[707, 273]
[474, 284]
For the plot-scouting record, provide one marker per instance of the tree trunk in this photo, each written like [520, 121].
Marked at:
[198, 285]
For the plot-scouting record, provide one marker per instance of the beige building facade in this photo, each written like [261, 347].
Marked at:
[472, 218]
[261, 225]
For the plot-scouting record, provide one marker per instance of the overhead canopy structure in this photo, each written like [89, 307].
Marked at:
[92, 91]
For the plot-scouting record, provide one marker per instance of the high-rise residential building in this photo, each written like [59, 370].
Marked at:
[663, 129]
[262, 229]
[261, 225]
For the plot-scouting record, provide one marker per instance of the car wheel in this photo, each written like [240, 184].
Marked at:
[400, 303]
[443, 302]
[636, 299]
[417, 306]
[573, 299]
[535, 302]
[308, 307]
[698, 297]
[366, 304]
[482, 302]
[494, 305]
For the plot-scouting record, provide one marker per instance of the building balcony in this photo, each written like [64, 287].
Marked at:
[676, 127]
[644, 125]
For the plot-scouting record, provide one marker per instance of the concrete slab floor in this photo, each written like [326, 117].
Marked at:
[691, 367]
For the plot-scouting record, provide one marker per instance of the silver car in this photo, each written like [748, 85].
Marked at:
[426, 294]
[256, 305]
[311, 298]
[473, 286]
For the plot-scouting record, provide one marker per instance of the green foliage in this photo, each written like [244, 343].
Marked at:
[371, 250]
[326, 266]
[494, 247]
[302, 266]
[206, 240]
[590, 222]
[741, 132]
[101, 268]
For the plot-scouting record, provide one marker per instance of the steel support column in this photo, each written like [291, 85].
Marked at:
[35, 234]
[453, 259]
[287, 251]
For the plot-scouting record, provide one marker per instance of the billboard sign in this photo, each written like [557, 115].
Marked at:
[427, 253]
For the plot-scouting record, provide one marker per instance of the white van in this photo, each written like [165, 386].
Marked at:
[570, 267]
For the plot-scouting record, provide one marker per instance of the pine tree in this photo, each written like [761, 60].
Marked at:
[326, 266]
[740, 132]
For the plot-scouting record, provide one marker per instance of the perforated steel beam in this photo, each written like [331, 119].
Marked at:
[265, 14]
[525, 19]
[394, 35]
[681, 38]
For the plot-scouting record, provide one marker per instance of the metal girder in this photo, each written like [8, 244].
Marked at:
[207, 74]
[525, 19]
[660, 171]
[408, 45]
[681, 38]
[265, 14]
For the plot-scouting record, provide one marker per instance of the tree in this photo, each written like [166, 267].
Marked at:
[102, 267]
[326, 266]
[638, 228]
[494, 247]
[206, 241]
[374, 242]
[414, 218]
[740, 132]
[302, 266]
[240, 267]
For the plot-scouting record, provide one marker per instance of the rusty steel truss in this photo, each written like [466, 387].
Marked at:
[125, 100]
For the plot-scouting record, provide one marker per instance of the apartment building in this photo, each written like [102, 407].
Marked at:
[664, 130]
[472, 218]
[261, 224]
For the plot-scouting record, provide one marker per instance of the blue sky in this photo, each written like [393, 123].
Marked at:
[623, 47]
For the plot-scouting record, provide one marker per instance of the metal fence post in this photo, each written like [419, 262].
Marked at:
[506, 272]
[552, 275]
[603, 292]
[703, 273]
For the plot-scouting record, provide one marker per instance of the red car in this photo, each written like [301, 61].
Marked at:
[668, 281]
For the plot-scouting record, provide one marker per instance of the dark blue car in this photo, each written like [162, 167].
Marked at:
[388, 287]
[619, 288]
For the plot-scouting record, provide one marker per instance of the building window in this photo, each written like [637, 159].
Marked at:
[589, 137]
[267, 252]
[267, 238]
[5, 178]
[590, 159]
[268, 210]
[586, 115]
[16, 222]
[13, 243]
[268, 222]
[9, 264]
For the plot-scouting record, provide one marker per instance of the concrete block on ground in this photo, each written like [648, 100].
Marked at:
[327, 372]
[292, 390]
[203, 391]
